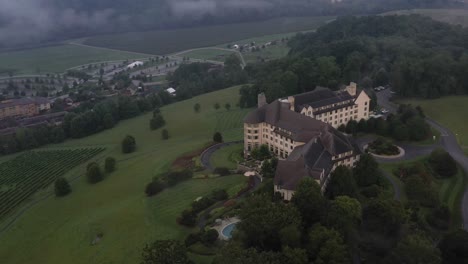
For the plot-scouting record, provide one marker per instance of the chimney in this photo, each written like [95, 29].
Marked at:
[261, 100]
[351, 88]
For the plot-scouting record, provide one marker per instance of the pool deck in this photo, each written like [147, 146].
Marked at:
[223, 224]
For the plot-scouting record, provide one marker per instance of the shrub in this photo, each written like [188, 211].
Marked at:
[217, 137]
[154, 187]
[439, 218]
[128, 144]
[94, 174]
[188, 218]
[382, 146]
[165, 134]
[219, 195]
[442, 163]
[222, 171]
[157, 122]
[62, 187]
[202, 204]
[175, 177]
[216, 106]
[191, 239]
[209, 237]
[109, 164]
[196, 108]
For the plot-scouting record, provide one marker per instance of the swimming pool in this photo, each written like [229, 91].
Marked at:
[227, 230]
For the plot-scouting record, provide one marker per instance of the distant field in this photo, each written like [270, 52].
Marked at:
[207, 54]
[56, 59]
[269, 53]
[57, 231]
[450, 111]
[453, 16]
[168, 41]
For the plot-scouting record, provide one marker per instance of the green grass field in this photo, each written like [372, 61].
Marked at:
[57, 59]
[207, 54]
[269, 53]
[169, 41]
[227, 156]
[448, 111]
[60, 230]
[453, 16]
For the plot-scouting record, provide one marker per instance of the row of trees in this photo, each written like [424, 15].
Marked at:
[198, 78]
[407, 124]
[88, 119]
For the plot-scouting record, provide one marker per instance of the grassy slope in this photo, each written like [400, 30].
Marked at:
[453, 16]
[449, 111]
[57, 58]
[60, 230]
[168, 41]
[227, 157]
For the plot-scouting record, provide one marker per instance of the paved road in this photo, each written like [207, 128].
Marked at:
[448, 141]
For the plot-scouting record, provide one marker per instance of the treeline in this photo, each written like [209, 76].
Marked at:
[416, 55]
[198, 78]
[84, 122]
[407, 124]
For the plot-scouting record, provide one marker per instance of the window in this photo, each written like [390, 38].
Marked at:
[249, 131]
[365, 108]
[365, 103]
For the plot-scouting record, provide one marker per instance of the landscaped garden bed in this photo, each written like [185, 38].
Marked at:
[383, 147]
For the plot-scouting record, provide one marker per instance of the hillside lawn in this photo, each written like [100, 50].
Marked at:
[60, 230]
[228, 156]
[161, 42]
[450, 190]
[452, 16]
[56, 59]
[448, 111]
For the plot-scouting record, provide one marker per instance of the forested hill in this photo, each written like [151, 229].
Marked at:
[418, 56]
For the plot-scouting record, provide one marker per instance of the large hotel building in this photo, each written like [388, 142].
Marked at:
[301, 131]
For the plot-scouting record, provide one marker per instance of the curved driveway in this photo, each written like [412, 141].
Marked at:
[207, 153]
[448, 141]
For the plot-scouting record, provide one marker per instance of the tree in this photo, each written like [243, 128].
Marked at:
[326, 246]
[227, 106]
[62, 187]
[262, 222]
[157, 121]
[443, 163]
[217, 137]
[344, 213]
[196, 108]
[93, 173]
[415, 249]
[165, 134]
[109, 164]
[366, 172]
[216, 106]
[341, 183]
[454, 247]
[384, 216]
[165, 252]
[260, 153]
[309, 201]
[128, 144]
